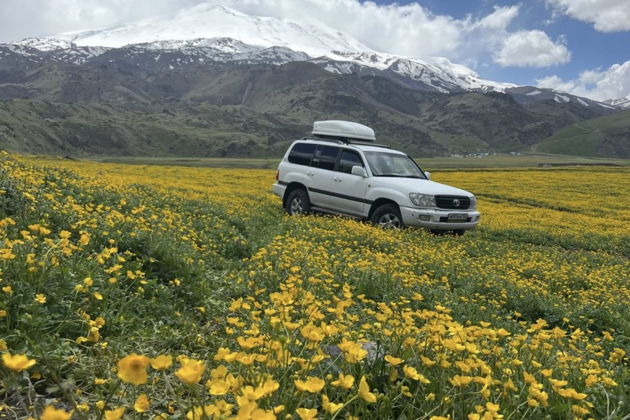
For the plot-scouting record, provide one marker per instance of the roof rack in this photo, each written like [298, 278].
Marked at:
[346, 141]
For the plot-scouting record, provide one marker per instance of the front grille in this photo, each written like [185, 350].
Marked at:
[451, 202]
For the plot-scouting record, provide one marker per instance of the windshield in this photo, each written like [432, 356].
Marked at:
[393, 164]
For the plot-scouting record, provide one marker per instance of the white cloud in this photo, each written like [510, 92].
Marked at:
[531, 49]
[606, 15]
[612, 83]
[410, 29]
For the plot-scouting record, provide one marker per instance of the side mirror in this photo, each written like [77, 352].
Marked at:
[428, 174]
[359, 171]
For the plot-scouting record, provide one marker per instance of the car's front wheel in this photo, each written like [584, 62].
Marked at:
[298, 202]
[387, 216]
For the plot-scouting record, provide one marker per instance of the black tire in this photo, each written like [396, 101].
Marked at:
[459, 232]
[388, 216]
[437, 232]
[298, 202]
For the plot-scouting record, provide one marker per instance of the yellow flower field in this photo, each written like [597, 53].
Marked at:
[132, 291]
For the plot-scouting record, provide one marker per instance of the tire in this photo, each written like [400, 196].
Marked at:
[437, 232]
[388, 217]
[459, 232]
[297, 202]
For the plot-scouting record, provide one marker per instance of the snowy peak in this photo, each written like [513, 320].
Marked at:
[528, 95]
[219, 33]
[621, 102]
[46, 44]
[215, 21]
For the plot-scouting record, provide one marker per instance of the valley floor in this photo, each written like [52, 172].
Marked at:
[170, 291]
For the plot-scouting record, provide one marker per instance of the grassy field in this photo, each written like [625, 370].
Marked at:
[494, 161]
[151, 291]
[597, 136]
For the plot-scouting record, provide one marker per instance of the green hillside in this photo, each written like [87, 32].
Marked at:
[603, 136]
[125, 109]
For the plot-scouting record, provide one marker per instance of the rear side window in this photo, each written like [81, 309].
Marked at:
[349, 159]
[302, 153]
[325, 157]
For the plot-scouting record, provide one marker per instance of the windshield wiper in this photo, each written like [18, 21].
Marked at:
[400, 176]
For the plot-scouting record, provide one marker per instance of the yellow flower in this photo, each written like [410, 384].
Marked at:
[84, 408]
[8, 290]
[330, 407]
[394, 361]
[260, 414]
[571, 393]
[268, 387]
[307, 413]
[97, 296]
[312, 384]
[3, 313]
[412, 373]
[40, 298]
[162, 362]
[344, 381]
[51, 413]
[191, 371]
[364, 391]
[115, 414]
[142, 403]
[458, 380]
[18, 362]
[218, 387]
[133, 369]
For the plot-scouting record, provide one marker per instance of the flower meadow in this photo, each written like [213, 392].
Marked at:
[130, 291]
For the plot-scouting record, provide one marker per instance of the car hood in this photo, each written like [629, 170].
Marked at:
[421, 186]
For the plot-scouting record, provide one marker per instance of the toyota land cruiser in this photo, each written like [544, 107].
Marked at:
[340, 170]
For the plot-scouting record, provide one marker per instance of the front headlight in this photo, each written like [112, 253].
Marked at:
[473, 203]
[422, 200]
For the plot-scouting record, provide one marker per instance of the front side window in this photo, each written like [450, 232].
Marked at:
[393, 164]
[347, 160]
[302, 153]
[325, 157]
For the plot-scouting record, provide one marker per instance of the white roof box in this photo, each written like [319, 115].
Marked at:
[343, 130]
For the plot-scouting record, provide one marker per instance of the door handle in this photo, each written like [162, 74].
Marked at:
[309, 173]
[337, 179]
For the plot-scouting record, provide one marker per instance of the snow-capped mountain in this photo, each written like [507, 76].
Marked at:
[217, 33]
[209, 34]
[215, 21]
[620, 102]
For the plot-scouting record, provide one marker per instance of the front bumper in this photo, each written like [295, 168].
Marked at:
[438, 219]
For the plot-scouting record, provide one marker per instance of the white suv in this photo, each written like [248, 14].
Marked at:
[339, 171]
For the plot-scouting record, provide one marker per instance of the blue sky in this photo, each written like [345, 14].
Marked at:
[590, 49]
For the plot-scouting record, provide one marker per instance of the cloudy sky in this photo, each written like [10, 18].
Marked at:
[580, 46]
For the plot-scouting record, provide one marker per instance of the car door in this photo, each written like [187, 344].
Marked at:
[321, 173]
[349, 189]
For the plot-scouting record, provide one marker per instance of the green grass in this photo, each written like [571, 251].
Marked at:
[591, 137]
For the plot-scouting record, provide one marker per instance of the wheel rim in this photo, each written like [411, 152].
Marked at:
[390, 221]
[297, 206]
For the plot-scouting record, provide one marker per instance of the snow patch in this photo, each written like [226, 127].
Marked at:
[582, 102]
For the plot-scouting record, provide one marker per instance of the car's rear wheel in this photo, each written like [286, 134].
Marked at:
[459, 232]
[298, 202]
[387, 216]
